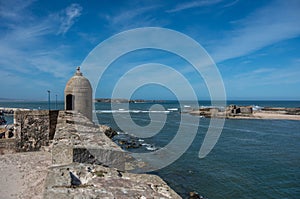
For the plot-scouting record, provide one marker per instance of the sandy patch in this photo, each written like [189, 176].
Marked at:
[22, 175]
[279, 116]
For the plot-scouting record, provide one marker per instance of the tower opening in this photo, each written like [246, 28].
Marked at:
[69, 102]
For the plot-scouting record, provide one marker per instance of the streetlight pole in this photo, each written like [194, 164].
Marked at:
[48, 99]
[55, 102]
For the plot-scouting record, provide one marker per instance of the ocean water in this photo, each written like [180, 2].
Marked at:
[252, 158]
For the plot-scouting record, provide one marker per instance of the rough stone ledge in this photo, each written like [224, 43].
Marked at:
[94, 181]
[77, 142]
[107, 157]
[75, 145]
[85, 162]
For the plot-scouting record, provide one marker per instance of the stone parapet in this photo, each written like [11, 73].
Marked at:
[78, 139]
[33, 129]
[86, 163]
[7, 145]
[95, 181]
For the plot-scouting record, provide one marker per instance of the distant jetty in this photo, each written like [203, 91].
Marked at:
[249, 112]
[10, 111]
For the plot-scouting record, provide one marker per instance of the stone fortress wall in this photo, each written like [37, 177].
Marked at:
[34, 129]
[86, 163]
[31, 130]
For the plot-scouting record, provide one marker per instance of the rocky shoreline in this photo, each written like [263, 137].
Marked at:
[248, 112]
[10, 111]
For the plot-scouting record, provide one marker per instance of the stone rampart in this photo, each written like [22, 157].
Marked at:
[34, 129]
[95, 181]
[7, 145]
[86, 163]
[77, 139]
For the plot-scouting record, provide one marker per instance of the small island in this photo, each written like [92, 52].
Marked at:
[249, 112]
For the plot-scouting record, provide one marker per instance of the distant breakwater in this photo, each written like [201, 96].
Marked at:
[10, 111]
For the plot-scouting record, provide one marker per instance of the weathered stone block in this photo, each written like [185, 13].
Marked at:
[100, 156]
[33, 129]
[62, 153]
[103, 182]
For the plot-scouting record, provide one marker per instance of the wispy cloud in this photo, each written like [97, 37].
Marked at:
[266, 76]
[268, 25]
[13, 10]
[194, 4]
[68, 17]
[231, 4]
[23, 50]
[133, 18]
[265, 83]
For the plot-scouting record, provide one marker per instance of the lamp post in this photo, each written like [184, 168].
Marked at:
[48, 99]
[55, 102]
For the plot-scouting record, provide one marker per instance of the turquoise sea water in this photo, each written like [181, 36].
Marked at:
[252, 159]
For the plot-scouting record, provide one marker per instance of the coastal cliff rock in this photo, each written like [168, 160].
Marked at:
[108, 131]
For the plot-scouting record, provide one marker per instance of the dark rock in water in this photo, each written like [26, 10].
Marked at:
[108, 131]
[122, 142]
[2, 120]
[195, 195]
[128, 143]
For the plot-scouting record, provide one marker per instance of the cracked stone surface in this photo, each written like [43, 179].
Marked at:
[96, 181]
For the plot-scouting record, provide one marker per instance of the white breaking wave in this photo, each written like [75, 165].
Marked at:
[149, 147]
[129, 111]
[172, 109]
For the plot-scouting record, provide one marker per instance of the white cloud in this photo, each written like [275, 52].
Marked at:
[266, 76]
[231, 4]
[194, 4]
[265, 83]
[68, 17]
[26, 56]
[268, 25]
[13, 10]
[133, 18]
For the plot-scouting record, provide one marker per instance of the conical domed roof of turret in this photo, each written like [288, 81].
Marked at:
[77, 82]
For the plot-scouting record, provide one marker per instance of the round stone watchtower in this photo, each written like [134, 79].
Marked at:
[78, 95]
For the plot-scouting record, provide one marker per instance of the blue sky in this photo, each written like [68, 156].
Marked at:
[255, 44]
